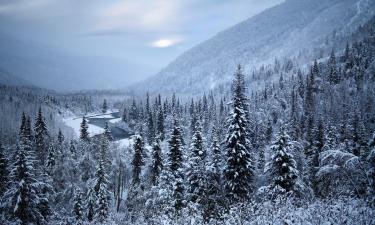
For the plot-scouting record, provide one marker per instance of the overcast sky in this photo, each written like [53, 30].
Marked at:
[149, 32]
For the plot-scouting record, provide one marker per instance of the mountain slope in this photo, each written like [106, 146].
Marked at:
[51, 68]
[11, 80]
[286, 30]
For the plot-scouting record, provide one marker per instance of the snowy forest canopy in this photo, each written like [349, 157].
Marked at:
[301, 150]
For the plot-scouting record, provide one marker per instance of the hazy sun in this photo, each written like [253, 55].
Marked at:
[163, 43]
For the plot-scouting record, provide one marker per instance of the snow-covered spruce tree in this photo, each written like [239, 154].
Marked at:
[41, 135]
[60, 137]
[51, 159]
[72, 149]
[22, 199]
[239, 169]
[104, 106]
[90, 204]
[333, 76]
[213, 200]
[371, 169]
[104, 151]
[282, 167]
[157, 162]
[138, 160]
[102, 191]
[313, 159]
[309, 109]
[84, 133]
[77, 207]
[124, 116]
[197, 166]
[133, 113]
[150, 128]
[107, 132]
[160, 124]
[4, 171]
[176, 165]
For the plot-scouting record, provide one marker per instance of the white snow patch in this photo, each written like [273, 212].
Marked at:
[115, 120]
[75, 123]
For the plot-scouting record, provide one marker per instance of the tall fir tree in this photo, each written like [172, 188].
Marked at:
[282, 167]
[213, 199]
[157, 163]
[239, 169]
[107, 132]
[60, 137]
[90, 204]
[150, 128]
[78, 207]
[102, 191]
[333, 76]
[41, 136]
[138, 160]
[22, 198]
[176, 165]
[371, 170]
[84, 133]
[104, 106]
[160, 132]
[4, 171]
[197, 165]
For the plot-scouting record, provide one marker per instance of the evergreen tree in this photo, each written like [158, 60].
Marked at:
[239, 170]
[104, 106]
[22, 197]
[107, 132]
[22, 131]
[125, 116]
[72, 149]
[371, 170]
[4, 172]
[313, 157]
[41, 135]
[160, 124]
[90, 205]
[150, 128]
[175, 165]
[102, 191]
[269, 131]
[213, 199]
[197, 163]
[333, 76]
[51, 158]
[138, 160]
[60, 137]
[157, 163]
[133, 114]
[77, 207]
[282, 168]
[310, 110]
[84, 135]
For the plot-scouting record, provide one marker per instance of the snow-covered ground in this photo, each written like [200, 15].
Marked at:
[115, 120]
[125, 143]
[75, 123]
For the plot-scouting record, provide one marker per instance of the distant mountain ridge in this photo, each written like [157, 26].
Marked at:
[51, 68]
[292, 29]
[11, 80]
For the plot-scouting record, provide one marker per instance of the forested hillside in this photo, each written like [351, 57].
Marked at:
[299, 149]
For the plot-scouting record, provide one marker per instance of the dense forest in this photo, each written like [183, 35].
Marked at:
[298, 149]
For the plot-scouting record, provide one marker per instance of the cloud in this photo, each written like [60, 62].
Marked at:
[140, 15]
[22, 7]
